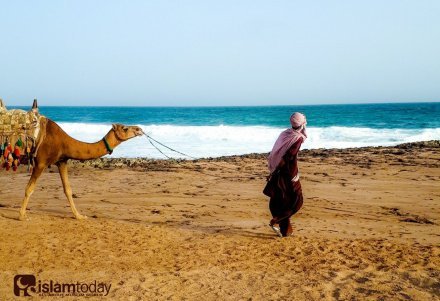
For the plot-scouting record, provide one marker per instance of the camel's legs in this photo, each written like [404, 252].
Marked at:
[36, 173]
[62, 166]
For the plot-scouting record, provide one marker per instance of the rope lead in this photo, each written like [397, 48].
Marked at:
[151, 139]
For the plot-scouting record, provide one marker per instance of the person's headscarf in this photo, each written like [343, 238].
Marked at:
[286, 139]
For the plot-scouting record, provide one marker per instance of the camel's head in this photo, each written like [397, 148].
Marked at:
[124, 132]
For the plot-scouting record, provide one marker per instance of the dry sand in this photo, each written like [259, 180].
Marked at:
[159, 230]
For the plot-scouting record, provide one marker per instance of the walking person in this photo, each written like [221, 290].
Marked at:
[283, 186]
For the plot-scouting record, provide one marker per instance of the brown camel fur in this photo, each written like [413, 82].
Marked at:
[57, 147]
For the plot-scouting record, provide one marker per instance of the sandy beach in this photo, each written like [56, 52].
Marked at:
[197, 230]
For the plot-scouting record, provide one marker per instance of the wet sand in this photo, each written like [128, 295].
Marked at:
[185, 230]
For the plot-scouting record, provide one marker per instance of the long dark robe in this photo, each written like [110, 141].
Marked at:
[285, 195]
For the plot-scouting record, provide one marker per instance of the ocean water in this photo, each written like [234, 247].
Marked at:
[219, 131]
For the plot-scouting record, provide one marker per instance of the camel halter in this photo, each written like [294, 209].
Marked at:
[107, 146]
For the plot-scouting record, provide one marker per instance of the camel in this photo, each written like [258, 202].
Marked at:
[57, 147]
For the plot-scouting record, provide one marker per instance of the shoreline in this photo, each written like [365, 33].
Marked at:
[309, 155]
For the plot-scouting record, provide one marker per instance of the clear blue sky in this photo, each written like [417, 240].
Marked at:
[245, 52]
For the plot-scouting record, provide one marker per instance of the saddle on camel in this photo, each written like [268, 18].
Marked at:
[20, 132]
[48, 144]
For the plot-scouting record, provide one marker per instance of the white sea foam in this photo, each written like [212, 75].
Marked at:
[215, 141]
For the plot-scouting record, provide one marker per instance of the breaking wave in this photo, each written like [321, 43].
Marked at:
[223, 140]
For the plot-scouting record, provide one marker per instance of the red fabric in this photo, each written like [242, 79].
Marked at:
[8, 150]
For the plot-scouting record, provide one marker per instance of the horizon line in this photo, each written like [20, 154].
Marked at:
[230, 106]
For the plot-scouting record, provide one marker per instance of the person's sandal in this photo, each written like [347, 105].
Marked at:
[276, 230]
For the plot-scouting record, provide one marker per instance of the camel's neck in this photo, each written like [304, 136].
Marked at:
[78, 150]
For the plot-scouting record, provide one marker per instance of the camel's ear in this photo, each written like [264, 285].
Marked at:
[114, 126]
[35, 105]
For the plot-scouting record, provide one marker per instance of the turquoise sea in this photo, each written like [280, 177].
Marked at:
[218, 131]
